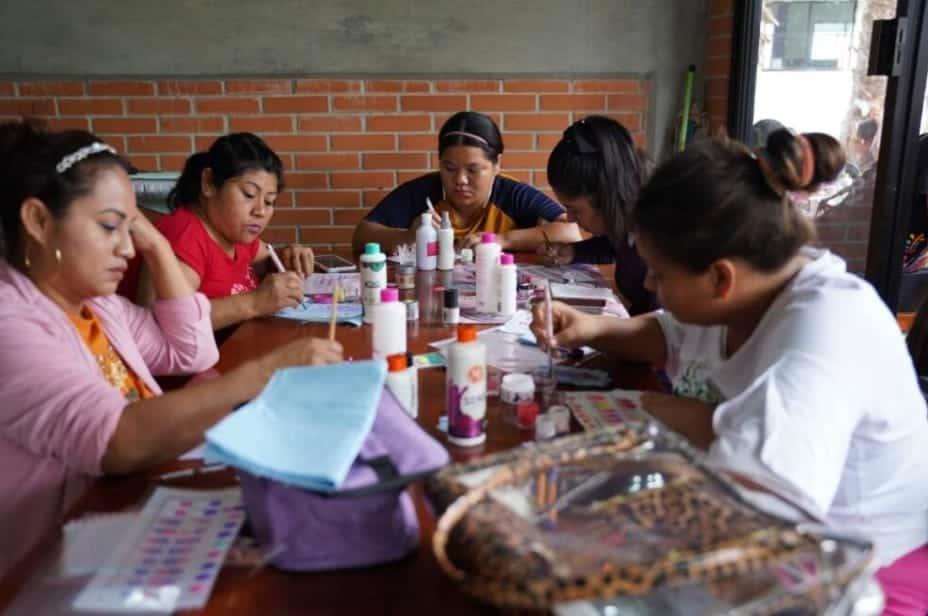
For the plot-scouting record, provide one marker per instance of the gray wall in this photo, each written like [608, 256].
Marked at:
[142, 38]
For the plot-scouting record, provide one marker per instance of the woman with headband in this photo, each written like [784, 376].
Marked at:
[469, 186]
[596, 172]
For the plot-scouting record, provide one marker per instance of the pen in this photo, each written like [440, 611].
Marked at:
[428, 202]
[190, 472]
[280, 266]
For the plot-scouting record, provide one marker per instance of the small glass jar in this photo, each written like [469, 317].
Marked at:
[406, 276]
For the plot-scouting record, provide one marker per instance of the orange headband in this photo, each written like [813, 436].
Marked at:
[808, 161]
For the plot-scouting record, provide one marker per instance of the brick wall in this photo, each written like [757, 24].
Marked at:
[718, 61]
[344, 143]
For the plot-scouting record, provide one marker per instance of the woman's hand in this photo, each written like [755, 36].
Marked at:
[278, 290]
[571, 328]
[147, 240]
[556, 253]
[297, 259]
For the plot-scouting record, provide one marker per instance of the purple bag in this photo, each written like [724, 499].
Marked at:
[370, 520]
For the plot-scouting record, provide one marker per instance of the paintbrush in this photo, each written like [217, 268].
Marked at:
[549, 329]
[335, 297]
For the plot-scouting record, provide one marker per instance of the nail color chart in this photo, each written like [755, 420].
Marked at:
[601, 409]
[171, 556]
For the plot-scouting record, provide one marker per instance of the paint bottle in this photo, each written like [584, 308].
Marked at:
[467, 256]
[487, 264]
[373, 278]
[403, 382]
[426, 244]
[466, 395]
[508, 283]
[405, 276]
[445, 244]
[389, 335]
[451, 311]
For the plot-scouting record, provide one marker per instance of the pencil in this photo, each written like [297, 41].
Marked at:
[275, 259]
[428, 202]
[549, 329]
[335, 293]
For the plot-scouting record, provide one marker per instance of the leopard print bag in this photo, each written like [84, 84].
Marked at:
[624, 513]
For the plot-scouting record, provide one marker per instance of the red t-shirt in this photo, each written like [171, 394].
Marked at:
[220, 275]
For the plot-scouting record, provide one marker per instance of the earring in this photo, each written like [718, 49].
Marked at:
[26, 261]
[58, 256]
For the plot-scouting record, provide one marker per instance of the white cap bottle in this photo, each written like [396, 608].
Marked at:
[373, 277]
[508, 283]
[426, 244]
[389, 335]
[445, 244]
[487, 263]
[466, 380]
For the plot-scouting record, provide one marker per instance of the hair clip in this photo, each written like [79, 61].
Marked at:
[88, 150]
[464, 133]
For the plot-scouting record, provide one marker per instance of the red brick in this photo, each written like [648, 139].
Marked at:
[720, 25]
[716, 88]
[521, 175]
[858, 232]
[259, 86]
[159, 105]
[720, 46]
[349, 217]
[622, 102]
[503, 102]
[525, 160]
[51, 88]
[631, 120]
[428, 142]
[295, 104]
[284, 200]
[441, 118]
[472, 85]
[279, 235]
[313, 86]
[327, 161]
[328, 198]
[373, 197]
[718, 67]
[199, 124]
[362, 179]
[607, 85]
[227, 105]
[203, 142]
[172, 162]
[329, 235]
[122, 88]
[296, 143]
[546, 142]
[395, 161]
[296, 216]
[7, 88]
[448, 102]
[363, 142]
[159, 143]
[640, 139]
[117, 141]
[77, 123]
[384, 85]
[722, 7]
[329, 123]
[144, 162]
[90, 106]
[536, 121]
[540, 178]
[364, 103]
[573, 102]
[125, 125]
[405, 176]
[535, 85]
[181, 87]
[261, 124]
[298, 181]
[398, 123]
[519, 141]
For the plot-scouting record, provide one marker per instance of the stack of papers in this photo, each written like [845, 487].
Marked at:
[312, 312]
[307, 426]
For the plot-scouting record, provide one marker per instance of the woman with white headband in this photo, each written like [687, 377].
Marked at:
[469, 186]
[77, 396]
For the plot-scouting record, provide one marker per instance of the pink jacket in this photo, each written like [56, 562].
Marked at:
[57, 411]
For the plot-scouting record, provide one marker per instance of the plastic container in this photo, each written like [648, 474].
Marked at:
[445, 244]
[526, 414]
[467, 256]
[486, 272]
[516, 387]
[389, 336]
[545, 427]
[451, 311]
[561, 416]
[426, 244]
[373, 278]
[403, 381]
[466, 395]
[508, 285]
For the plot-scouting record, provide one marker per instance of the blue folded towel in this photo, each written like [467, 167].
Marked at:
[305, 428]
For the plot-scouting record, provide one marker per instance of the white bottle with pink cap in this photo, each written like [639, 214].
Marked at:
[486, 271]
[508, 284]
[389, 335]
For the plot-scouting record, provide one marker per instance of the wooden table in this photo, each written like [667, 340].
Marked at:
[414, 585]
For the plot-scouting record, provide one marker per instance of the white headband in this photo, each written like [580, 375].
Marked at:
[88, 150]
[464, 133]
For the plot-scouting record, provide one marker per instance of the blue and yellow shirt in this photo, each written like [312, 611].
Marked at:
[512, 205]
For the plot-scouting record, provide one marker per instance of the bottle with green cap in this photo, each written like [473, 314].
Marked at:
[373, 277]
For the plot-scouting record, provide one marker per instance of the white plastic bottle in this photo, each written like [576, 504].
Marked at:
[403, 382]
[466, 393]
[487, 262]
[373, 278]
[445, 244]
[508, 283]
[389, 335]
[426, 244]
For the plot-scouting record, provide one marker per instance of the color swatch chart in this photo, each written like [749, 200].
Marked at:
[602, 409]
[171, 556]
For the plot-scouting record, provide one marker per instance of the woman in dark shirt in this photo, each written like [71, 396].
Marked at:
[596, 172]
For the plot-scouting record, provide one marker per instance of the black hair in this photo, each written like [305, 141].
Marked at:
[229, 157]
[718, 199]
[473, 129]
[29, 157]
[597, 158]
[867, 129]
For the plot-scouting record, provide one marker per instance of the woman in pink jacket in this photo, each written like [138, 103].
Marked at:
[77, 397]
